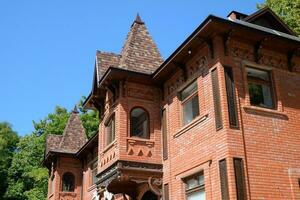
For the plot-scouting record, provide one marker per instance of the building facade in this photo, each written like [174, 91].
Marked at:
[218, 119]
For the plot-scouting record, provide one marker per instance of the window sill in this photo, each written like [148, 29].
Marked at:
[260, 110]
[135, 140]
[109, 146]
[192, 124]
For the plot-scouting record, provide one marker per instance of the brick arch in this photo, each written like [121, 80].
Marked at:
[142, 190]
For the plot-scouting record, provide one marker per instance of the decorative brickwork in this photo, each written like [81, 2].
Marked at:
[199, 104]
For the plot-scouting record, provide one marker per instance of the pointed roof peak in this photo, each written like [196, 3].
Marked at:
[138, 20]
[140, 52]
[75, 110]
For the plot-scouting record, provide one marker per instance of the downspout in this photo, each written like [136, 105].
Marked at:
[243, 135]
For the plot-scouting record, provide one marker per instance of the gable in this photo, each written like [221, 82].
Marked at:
[267, 18]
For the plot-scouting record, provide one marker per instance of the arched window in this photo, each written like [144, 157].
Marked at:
[139, 123]
[68, 182]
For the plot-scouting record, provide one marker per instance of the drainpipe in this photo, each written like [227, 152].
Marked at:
[243, 135]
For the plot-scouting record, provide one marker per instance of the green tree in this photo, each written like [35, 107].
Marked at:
[27, 178]
[89, 118]
[288, 10]
[8, 141]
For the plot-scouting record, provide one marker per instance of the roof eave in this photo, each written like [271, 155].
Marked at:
[212, 19]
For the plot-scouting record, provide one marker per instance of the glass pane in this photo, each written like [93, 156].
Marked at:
[260, 95]
[139, 123]
[191, 183]
[199, 195]
[201, 180]
[190, 109]
[258, 74]
[110, 131]
[256, 94]
[94, 175]
[268, 102]
[189, 90]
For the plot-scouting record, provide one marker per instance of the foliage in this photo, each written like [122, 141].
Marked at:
[54, 123]
[89, 118]
[288, 10]
[27, 178]
[8, 141]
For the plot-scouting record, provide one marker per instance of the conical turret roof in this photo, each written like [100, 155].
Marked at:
[73, 138]
[139, 52]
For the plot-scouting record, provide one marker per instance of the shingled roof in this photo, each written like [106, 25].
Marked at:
[104, 60]
[139, 52]
[73, 137]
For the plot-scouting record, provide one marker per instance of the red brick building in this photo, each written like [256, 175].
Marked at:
[218, 119]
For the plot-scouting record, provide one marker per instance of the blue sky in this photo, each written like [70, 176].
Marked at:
[47, 48]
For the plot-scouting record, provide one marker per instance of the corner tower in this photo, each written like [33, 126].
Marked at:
[65, 180]
[129, 105]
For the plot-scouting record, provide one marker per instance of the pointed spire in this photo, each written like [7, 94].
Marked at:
[74, 136]
[75, 110]
[140, 52]
[138, 19]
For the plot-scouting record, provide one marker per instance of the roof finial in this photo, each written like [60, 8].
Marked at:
[138, 19]
[75, 110]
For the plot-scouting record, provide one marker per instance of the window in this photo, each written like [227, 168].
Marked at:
[139, 123]
[164, 134]
[217, 99]
[223, 179]
[166, 191]
[68, 182]
[110, 130]
[239, 178]
[94, 172]
[231, 100]
[190, 102]
[194, 187]
[260, 88]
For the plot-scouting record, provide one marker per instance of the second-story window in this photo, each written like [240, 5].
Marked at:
[94, 172]
[260, 88]
[139, 123]
[190, 102]
[110, 130]
[68, 182]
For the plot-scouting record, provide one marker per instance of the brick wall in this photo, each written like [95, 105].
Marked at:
[266, 139]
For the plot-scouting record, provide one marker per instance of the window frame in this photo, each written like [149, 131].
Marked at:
[270, 84]
[131, 124]
[111, 119]
[73, 179]
[94, 166]
[198, 188]
[188, 99]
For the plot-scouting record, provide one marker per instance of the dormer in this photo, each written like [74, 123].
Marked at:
[264, 17]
